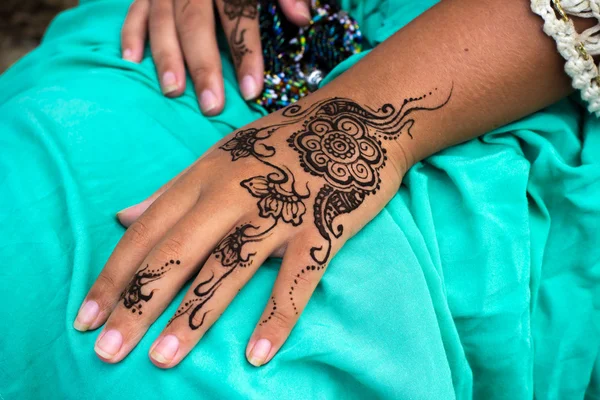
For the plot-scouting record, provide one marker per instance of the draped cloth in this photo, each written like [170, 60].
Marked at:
[480, 279]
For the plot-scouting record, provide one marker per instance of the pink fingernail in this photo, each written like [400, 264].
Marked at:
[302, 9]
[249, 88]
[127, 54]
[165, 349]
[86, 316]
[260, 352]
[208, 101]
[109, 344]
[169, 82]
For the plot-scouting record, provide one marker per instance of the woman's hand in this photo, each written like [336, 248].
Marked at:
[296, 184]
[184, 31]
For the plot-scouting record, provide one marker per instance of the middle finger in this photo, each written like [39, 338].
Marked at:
[196, 29]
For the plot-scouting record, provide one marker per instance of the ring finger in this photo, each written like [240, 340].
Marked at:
[196, 30]
[240, 23]
[231, 265]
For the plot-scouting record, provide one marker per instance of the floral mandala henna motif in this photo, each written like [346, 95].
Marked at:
[237, 10]
[133, 296]
[339, 150]
[340, 142]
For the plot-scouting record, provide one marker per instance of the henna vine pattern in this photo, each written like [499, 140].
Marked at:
[237, 10]
[133, 296]
[340, 142]
[229, 253]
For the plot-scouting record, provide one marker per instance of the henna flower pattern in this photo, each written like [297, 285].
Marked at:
[242, 144]
[133, 295]
[275, 201]
[229, 250]
[341, 151]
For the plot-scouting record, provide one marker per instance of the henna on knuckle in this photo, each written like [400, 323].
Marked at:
[280, 319]
[136, 294]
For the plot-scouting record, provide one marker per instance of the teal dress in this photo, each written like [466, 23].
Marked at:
[480, 279]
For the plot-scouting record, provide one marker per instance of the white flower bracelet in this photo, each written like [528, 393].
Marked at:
[577, 48]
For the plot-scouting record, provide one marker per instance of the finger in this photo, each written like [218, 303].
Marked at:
[240, 23]
[229, 267]
[133, 33]
[165, 48]
[133, 247]
[296, 11]
[297, 279]
[128, 215]
[196, 28]
[162, 274]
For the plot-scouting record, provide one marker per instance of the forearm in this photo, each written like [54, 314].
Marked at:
[492, 55]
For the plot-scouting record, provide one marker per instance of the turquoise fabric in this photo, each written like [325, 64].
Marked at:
[480, 279]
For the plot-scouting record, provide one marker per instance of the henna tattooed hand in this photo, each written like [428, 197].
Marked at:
[183, 31]
[296, 184]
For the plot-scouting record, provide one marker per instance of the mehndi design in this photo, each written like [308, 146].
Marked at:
[340, 142]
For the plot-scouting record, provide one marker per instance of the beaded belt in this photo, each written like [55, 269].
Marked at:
[297, 59]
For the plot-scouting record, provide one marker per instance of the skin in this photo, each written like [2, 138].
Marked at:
[494, 59]
[182, 34]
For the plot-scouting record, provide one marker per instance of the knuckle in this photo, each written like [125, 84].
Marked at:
[171, 248]
[138, 233]
[282, 320]
[299, 279]
[106, 282]
[159, 18]
[202, 72]
[189, 21]
[105, 293]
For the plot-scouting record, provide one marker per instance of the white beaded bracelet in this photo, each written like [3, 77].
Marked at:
[577, 48]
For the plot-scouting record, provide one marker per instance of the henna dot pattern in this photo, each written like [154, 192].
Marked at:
[134, 295]
[309, 269]
[271, 313]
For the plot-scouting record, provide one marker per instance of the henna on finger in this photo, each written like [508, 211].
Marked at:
[134, 294]
[237, 10]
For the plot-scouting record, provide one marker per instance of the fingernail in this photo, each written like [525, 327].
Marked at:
[248, 87]
[302, 9]
[165, 349]
[127, 54]
[208, 101]
[86, 316]
[109, 344]
[141, 207]
[169, 83]
[260, 352]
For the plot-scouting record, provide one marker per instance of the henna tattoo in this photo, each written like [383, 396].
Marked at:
[230, 254]
[237, 10]
[340, 142]
[133, 296]
[273, 309]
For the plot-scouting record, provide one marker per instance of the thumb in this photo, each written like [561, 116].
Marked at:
[296, 11]
[128, 215]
